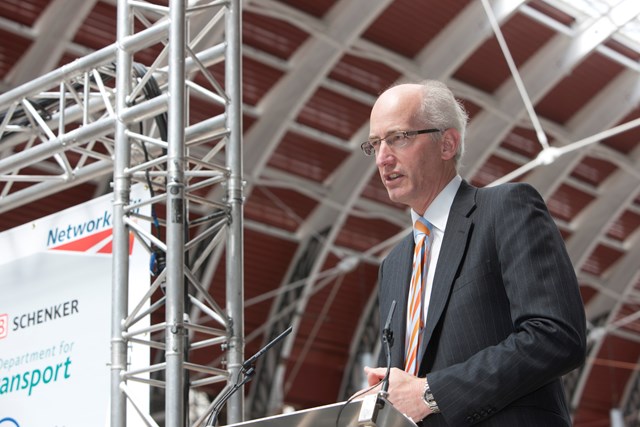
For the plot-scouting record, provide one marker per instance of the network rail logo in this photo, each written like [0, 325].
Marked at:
[93, 236]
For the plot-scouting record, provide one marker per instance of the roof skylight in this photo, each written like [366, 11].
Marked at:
[617, 10]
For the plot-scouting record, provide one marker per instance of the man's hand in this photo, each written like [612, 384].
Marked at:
[405, 391]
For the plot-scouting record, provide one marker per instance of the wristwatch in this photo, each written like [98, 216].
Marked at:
[428, 398]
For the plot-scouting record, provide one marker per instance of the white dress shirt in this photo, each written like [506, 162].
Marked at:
[437, 214]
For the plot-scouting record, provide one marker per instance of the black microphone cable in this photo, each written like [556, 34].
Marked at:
[247, 370]
[355, 396]
[215, 411]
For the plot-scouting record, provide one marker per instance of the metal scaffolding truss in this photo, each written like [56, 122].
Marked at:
[106, 114]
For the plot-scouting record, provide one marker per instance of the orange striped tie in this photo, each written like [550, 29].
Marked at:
[415, 316]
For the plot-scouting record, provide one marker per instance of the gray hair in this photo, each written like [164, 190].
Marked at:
[440, 109]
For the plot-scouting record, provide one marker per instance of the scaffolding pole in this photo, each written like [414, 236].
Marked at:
[175, 330]
[121, 191]
[235, 252]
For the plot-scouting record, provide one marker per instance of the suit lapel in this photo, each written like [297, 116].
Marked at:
[453, 247]
[401, 279]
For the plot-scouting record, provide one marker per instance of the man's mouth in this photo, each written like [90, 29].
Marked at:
[393, 176]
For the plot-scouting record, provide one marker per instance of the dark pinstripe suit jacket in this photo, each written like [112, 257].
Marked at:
[505, 320]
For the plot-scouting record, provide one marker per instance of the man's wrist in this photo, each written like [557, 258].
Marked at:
[429, 400]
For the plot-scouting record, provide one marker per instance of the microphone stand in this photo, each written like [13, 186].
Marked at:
[247, 370]
[387, 338]
[213, 418]
[373, 403]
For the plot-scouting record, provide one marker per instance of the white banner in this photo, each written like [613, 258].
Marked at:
[55, 318]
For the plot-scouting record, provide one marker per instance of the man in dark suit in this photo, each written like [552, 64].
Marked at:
[500, 314]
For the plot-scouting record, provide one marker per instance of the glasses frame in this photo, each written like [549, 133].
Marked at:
[369, 147]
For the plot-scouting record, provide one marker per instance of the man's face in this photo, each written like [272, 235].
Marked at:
[414, 174]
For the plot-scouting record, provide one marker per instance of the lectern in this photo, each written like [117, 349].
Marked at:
[372, 411]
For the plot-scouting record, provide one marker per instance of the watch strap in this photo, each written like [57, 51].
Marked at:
[428, 398]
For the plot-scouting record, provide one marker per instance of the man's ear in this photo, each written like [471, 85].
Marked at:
[450, 143]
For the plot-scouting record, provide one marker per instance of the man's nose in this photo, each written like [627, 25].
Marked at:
[384, 154]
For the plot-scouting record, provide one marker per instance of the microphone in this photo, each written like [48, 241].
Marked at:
[250, 361]
[373, 402]
[387, 338]
[248, 369]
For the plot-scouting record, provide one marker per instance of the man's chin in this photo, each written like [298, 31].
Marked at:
[395, 197]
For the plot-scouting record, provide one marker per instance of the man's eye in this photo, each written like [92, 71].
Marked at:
[392, 139]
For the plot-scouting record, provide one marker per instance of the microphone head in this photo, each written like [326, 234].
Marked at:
[387, 333]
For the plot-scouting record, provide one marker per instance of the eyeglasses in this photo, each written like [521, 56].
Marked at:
[396, 139]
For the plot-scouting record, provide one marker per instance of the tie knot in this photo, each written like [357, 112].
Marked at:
[422, 226]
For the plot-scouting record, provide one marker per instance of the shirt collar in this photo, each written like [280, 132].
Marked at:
[438, 211]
